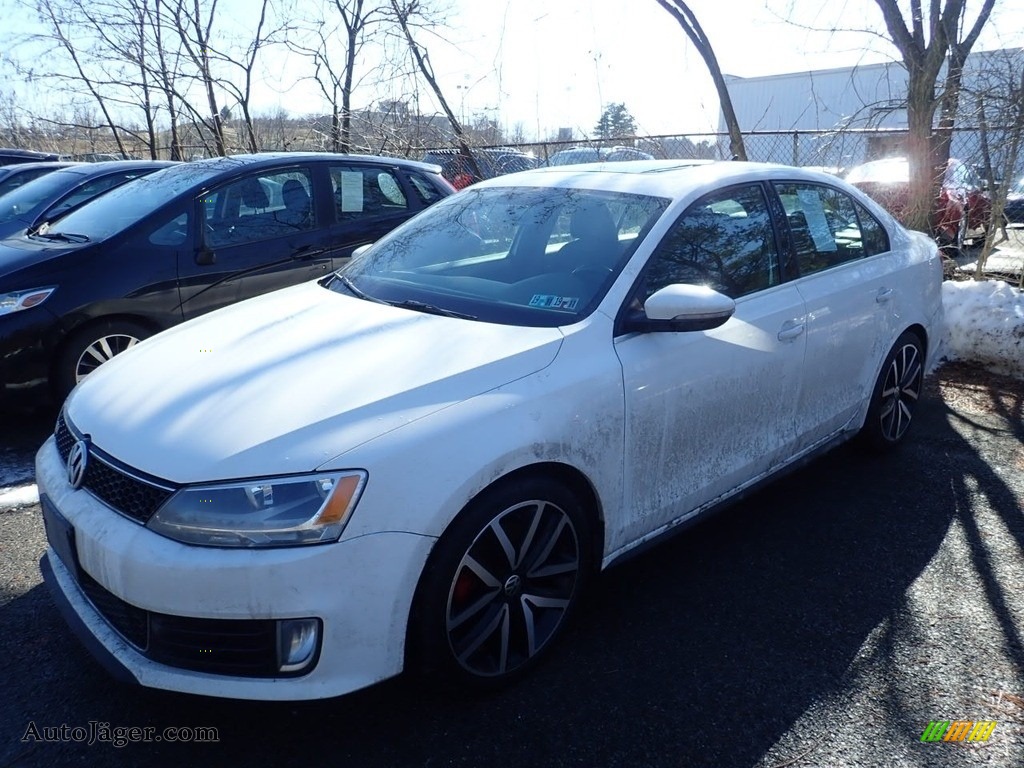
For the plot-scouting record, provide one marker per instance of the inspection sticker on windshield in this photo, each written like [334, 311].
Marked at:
[545, 301]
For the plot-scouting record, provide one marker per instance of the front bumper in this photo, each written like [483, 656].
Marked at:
[361, 589]
[27, 343]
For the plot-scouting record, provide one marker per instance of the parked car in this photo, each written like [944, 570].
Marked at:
[421, 460]
[183, 241]
[964, 207]
[491, 162]
[1014, 211]
[14, 156]
[13, 176]
[49, 197]
[597, 155]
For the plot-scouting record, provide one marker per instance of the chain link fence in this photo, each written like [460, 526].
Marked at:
[833, 150]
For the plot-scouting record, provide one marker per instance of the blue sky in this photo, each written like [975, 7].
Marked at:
[547, 64]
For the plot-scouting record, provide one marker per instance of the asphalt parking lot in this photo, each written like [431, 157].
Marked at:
[824, 621]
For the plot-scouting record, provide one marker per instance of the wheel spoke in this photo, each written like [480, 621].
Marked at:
[499, 619]
[545, 553]
[504, 541]
[530, 533]
[455, 621]
[488, 578]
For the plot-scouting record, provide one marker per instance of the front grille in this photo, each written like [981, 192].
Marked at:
[131, 622]
[119, 487]
[237, 647]
[242, 647]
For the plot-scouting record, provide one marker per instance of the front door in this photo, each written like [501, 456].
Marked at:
[708, 411]
[258, 233]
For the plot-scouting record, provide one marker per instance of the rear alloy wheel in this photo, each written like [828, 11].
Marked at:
[896, 393]
[502, 582]
[94, 345]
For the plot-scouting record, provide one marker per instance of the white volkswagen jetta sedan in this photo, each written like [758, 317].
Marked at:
[418, 462]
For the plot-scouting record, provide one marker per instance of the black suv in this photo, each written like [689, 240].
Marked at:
[187, 240]
[491, 162]
[12, 156]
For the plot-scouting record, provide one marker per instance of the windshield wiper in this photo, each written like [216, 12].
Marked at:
[357, 292]
[419, 306]
[67, 237]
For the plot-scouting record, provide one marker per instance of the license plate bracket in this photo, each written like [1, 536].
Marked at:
[60, 533]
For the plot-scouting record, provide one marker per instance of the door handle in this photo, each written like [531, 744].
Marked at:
[307, 252]
[790, 332]
[884, 295]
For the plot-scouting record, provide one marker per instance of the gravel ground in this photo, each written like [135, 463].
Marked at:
[952, 649]
[822, 622]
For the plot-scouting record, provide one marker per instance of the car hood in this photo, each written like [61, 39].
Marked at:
[285, 382]
[17, 253]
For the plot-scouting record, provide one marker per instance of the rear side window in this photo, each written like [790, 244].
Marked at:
[724, 240]
[366, 192]
[425, 190]
[876, 239]
[825, 227]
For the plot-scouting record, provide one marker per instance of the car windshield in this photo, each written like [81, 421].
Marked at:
[513, 255]
[24, 201]
[129, 203]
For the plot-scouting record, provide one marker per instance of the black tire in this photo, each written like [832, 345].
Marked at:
[486, 610]
[90, 347]
[894, 398]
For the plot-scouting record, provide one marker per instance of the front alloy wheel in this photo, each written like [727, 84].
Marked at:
[100, 351]
[503, 581]
[92, 346]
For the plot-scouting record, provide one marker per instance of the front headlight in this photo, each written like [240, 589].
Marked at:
[265, 512]
[15, 301]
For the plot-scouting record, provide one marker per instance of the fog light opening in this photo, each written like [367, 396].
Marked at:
[297, 643]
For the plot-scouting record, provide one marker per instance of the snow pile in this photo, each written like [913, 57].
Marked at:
[985, 325]
[14, 498]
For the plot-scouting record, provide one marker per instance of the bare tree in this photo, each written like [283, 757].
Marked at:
[60, 25]
[999, 96]
[351, 23]
[681, 12]
[404, 10]
[924, 53]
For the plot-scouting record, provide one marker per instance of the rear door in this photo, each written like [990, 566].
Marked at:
[849, 283]
[368, 201]
[258, 232]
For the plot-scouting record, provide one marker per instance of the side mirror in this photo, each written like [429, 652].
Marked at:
[205, 257]
[361, 250]
[681, 307]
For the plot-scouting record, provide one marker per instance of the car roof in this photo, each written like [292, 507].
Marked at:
[661, 178]
[110, 166]
[46, 164]
[273, 158]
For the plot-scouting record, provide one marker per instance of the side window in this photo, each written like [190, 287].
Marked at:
[172, 232]
[426, 191]
[366, 191]
[824, 227]
[724, 240]
[876, 239]
[258, 207]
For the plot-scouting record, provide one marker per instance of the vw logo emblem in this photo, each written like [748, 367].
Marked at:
[77, 461]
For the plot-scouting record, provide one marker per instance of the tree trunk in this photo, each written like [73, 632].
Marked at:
[681, 12]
